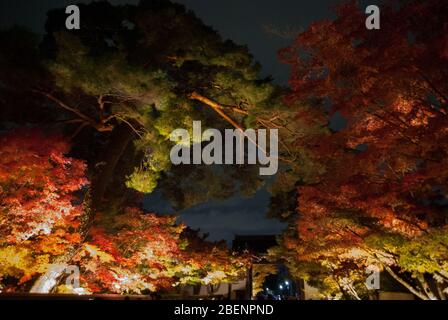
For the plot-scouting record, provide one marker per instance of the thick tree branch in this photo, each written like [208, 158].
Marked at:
[219, 109]
[419, 294]
[426, 287]
[440, 291]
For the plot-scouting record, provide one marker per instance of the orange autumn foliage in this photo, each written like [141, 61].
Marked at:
[128, 251]
[39, 211]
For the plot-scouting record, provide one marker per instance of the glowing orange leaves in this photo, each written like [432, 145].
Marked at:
[137, 252]
[37, 183]
[384, 183]
[39, 212]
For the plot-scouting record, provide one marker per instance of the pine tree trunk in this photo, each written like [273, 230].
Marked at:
[121, 137]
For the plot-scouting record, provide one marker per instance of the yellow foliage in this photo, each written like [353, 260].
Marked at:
[15, 261]
[94, 251]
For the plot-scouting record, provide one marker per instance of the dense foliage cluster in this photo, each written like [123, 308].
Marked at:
[380, 197]
[40, 213]
[45, 220]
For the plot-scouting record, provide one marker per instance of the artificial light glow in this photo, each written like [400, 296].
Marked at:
[80, 291]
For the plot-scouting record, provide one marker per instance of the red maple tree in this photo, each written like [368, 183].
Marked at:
[381, 197]
[46, 221]
[40, 211]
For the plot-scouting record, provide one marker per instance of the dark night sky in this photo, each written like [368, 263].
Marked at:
[243, 21]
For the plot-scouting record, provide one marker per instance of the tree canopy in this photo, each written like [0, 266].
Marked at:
[380, 197]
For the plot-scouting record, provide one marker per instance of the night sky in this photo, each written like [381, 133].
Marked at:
[243, 21]
[249, 22]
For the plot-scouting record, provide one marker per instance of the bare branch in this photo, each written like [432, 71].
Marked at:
[64, 106]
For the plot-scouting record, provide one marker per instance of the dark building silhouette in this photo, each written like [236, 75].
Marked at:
[256, 244]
